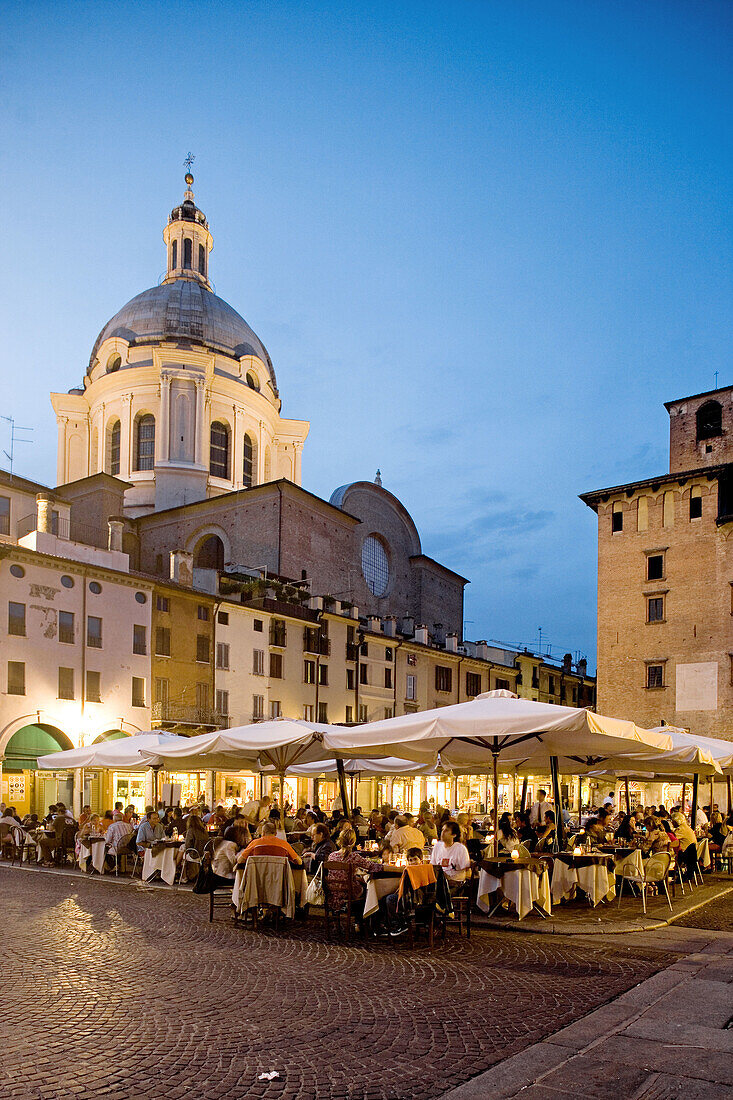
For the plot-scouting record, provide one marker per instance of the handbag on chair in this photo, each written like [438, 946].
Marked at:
[314, 894]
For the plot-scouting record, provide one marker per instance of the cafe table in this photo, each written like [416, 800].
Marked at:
[93, 846]
[300, 884]
[161, 857]
[523, 882]
[703, 854]
[383, 880]
[593, 872]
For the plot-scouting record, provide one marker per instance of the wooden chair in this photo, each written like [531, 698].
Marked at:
[462, 898]
[342, 901]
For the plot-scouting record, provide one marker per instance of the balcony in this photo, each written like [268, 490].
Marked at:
[352, 651]
[315, 642]
[187, 714]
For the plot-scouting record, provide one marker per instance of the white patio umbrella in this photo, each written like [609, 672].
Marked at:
[720, 749]
[274, 746]
[122, 754]
[499, 726]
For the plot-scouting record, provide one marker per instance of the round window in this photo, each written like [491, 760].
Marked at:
[114, 363]
[375, 565]
[140, 597]
[95, 587]
[252, 381]
[67, 581]
[17, 571]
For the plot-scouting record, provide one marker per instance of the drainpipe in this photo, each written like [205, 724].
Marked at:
[394, 684]
[279, 524]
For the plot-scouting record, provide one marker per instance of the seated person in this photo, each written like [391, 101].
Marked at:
[546, 838]
[197, 835]
[394, 926]
[338, 882]
[321, 848]
[49, 844]
[508, 839]
[524, 831]
[405, 835]
[428, 827]
[117, 835]
[595, 832]
[656, 839]
[450, 854]
[269, 844]
[238, 830]
[223, 863]
[357, 817]
[150, 829]
[626, 831]
[106, 821]
[717, 832]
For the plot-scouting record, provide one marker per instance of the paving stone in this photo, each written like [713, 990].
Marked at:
[704, 1065]
[681, 1034]
[665, 1086]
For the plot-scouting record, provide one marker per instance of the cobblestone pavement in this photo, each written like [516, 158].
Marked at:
[715, 917]
[123, 991]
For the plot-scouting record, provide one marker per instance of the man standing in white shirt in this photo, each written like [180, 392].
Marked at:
[539, 809]
[609, 801]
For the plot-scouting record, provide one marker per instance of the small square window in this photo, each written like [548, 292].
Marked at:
[655, 567]
[257, 625]
[655, 676]
[223, 619]
[162, 603]
[203, 613]
[655, 609]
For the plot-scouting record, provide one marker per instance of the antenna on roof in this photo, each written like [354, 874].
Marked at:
[14, 430]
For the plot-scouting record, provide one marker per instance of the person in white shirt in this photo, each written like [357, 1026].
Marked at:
[701, 819]
[609, 800]
[405, 835]
[539, 809]
[451, 855]
[257, 810]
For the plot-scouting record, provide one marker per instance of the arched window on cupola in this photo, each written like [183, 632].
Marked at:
[174, 255]
[145, 442]
[709, 420]
[114, 434]
[219, 450]
[187, 252]
[202, 259]
[248, 463]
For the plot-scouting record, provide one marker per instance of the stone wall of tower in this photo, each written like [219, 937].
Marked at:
[686, 450]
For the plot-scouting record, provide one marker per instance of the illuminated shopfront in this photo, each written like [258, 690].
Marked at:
[129, 789]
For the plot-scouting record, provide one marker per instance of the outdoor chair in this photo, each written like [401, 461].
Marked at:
[462, 899]
[342, 901]
[267, 886]
[123, 853]
[191, 858]
[654, 871]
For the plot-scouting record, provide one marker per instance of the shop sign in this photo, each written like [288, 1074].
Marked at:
[16, 788]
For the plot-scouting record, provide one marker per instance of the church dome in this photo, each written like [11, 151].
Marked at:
[183, 309]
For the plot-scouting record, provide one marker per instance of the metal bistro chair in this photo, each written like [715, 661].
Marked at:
[191, 858]
[654, 872]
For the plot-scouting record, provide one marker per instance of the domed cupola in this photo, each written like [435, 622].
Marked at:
[188, 240]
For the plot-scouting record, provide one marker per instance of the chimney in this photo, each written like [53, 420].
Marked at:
[115, 525]
[374, 623]
[582, 667]
[439, 633]
[421, 635]
[482, 650]
[315, 603]
[451, 642]
[567, 663]
[43, 511]
[389, 626]
[182, 567]
[408, 625]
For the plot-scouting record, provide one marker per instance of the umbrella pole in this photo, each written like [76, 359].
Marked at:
[559, 831]
[523, 803]
[627, 795]
[712, 796]
[343, 789]
[729, 784]
[693, 807]
[156, 769]
[495, 754]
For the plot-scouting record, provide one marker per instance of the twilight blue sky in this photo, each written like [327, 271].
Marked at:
[483, 242]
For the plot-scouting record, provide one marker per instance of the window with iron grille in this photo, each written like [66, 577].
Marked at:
[258, 662]
[473, 683]
[139, 640]
[16, 678]
[16, 619]
[202, 648]
[276, 666]
[94, 688]
[655, 676]
[163, 641]
[443, 678]
[222, 656]
[66, 627]
[66, 683]
[655, 609]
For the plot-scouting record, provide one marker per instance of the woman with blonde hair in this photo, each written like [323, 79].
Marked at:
[337, 876]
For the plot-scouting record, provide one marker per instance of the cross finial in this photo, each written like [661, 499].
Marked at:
[716, 380]
[188, 162]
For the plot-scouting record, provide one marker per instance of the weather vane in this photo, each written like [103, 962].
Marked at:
[188, 162]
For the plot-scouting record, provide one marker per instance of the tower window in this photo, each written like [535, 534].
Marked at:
[248, 463]
[145, 443]
[617, 518]
[709, 418]
[252, 381]
[187, 252]
[174, 255]
[219, 450]
[113, 363]
[114, 448]
[695, 503]
[202, 259]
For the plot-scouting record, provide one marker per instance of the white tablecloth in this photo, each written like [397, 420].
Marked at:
[595, 879]
[97, 852]
[378, 888]
[703, 854]
[164, 861]
[521, 887]
[300, 882]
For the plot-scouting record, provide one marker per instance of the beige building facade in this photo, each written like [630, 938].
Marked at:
[665, 579]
